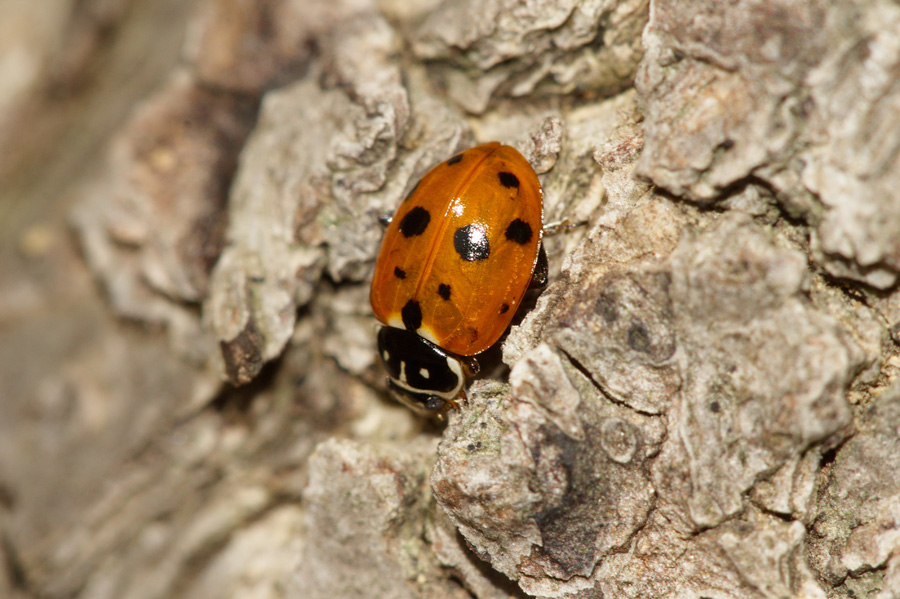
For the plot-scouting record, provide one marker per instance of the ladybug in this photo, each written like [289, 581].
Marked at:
[457, 258]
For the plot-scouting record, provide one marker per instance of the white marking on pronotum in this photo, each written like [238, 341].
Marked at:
[386, 356]
[454, 366]
[423, 372]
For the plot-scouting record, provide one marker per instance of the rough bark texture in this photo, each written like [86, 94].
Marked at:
[703, 403]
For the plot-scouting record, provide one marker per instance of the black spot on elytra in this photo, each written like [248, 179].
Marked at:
[399, 272]
[415, 222]
[504, 308]
[471, 243]
[411, 313]
[455, 160]
[519, 232]
[444, 291]
[508, 180]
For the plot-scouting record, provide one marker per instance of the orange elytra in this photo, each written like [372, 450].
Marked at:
[454, 265]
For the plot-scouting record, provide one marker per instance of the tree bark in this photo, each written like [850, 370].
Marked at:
[702, 403]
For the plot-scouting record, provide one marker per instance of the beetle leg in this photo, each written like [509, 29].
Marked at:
[470, 365]
[539, 278]
[560, 226]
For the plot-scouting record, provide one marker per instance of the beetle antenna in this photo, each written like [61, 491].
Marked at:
[561, 226]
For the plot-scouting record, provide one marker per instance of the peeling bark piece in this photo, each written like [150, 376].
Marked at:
[765, 374]
[506, 48]
[153, 227]
[480, 579]
[800, 95]
[257, 560]
[360, 58]
[612, 317]
[248, 47]
[854, 168]
[542, 382]
[791, 490]
[159, 217]
[242, 355]
[699, 119]
[364, 526]
[721, 86]
[890, 582]
[629, 353]
[626, 229]
[265, 274]
[546, 490]
[857, 521]
[770, 557]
